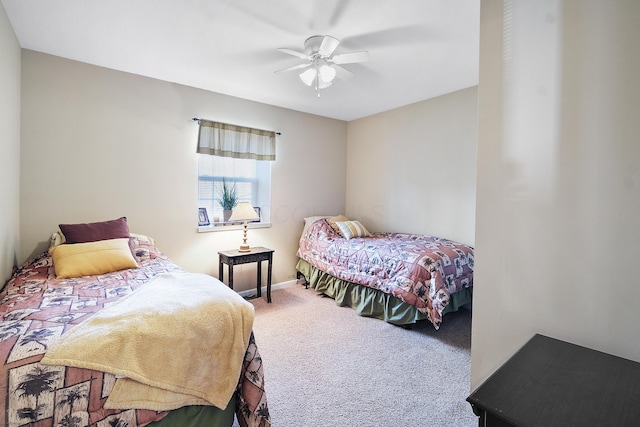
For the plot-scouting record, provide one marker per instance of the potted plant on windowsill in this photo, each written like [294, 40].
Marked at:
[228, 199]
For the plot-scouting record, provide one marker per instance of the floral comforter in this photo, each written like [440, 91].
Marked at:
[36, 308]
[420, 270]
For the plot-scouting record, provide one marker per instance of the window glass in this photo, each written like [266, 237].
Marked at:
[251, 178]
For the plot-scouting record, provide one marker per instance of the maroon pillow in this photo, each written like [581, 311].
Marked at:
[94, 231]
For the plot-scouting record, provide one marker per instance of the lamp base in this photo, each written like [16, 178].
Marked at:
[244, 248]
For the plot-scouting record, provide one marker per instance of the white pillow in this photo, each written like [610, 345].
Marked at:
[311, 219]
[57, 239]
[144, 238]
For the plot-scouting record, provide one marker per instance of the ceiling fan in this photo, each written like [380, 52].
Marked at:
[321, 65]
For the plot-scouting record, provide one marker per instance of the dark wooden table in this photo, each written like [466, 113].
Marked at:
[257, 255]
[551, 383]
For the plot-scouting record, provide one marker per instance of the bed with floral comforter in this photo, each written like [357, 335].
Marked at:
[423, 272]
[36, 308]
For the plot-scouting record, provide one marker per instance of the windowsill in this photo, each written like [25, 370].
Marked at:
[221, 226]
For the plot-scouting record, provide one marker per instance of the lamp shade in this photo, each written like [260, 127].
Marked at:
[327, 73]
[308, 76]
[244, 212]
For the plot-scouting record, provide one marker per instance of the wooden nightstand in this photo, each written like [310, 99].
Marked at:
[257, 255]
[553, 383]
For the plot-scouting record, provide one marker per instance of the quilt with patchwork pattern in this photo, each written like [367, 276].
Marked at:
[420, 270]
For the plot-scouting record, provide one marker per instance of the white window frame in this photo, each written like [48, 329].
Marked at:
[260, 192]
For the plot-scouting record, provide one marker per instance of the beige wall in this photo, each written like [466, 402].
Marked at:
[413, 169]
[98, 144]
[557, 240]
[9, 147]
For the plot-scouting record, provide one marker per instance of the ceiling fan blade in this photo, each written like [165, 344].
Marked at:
[351, 58]
[295, 67]
[342, 72]
[328, 46]
[293, 52]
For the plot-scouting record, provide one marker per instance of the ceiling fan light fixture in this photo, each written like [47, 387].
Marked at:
[327, 73]
[308, 76]
[322, 66]
[323, 84]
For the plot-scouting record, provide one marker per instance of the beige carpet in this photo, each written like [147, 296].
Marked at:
[325, 366]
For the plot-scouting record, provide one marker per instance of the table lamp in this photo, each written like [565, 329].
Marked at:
[244, 212]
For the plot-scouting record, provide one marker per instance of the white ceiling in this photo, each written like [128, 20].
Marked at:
[418, 49]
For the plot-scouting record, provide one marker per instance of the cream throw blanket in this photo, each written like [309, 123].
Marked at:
[178, 340]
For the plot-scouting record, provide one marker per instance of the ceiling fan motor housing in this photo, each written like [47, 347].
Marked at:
[313, 44]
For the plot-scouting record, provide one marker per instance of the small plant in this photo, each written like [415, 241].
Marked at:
[228, 196]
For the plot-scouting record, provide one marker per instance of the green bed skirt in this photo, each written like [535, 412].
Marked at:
[371, 302]
[199, 416]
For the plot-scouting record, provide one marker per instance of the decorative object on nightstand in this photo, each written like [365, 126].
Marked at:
[244, 212]
[233, 257]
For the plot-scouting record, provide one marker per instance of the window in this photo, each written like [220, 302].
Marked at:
[235, 156]
[251, 178]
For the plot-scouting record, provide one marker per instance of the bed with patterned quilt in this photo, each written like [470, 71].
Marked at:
[397, 277]
[93, 336]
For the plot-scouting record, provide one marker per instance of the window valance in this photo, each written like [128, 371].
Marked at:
[225, 140]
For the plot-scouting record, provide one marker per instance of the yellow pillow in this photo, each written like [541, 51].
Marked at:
[85, 259]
